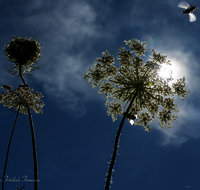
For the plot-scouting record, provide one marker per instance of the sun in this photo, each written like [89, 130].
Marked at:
[167, 70]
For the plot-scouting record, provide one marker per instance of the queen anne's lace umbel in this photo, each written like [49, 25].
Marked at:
[20, 98]
[139, 80]
[24, 53]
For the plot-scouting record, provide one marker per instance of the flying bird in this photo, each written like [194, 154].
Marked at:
[189, 9]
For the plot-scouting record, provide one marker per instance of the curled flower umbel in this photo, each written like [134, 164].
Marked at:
[20, 98]
[24, 52]
[138, 84]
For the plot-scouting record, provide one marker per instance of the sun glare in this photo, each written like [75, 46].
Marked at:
[173, 69]
[167, 70]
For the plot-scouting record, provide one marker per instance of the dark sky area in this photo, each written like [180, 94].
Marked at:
[75, 136]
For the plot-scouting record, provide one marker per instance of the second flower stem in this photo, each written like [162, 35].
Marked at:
[109, 175]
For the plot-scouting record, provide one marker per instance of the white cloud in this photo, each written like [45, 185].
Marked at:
[66, 30]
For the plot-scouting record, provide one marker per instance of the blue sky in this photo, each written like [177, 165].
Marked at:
[74, 135]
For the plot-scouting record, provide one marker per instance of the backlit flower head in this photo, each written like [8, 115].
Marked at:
[24, 52]
[20, 98]
[139, 81]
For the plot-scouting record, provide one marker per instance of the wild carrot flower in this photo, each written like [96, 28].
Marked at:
[24, 52]
[136, 88]
[20, 98]
[138, 80]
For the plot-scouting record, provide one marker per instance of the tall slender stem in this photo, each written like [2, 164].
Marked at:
[34, 151]
[5, 165]
[33, 140]
[116, 144]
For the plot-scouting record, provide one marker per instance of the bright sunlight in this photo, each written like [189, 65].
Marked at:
[166, 70]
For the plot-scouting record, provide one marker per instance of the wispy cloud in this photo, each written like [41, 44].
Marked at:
[68, 32]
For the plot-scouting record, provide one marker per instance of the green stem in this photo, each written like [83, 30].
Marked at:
[34, 151]
[5, 165]
[109, 174]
